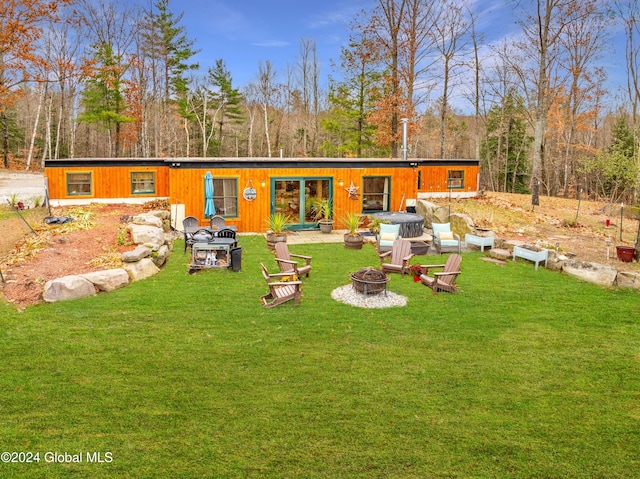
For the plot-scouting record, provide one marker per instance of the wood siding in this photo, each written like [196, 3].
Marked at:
[434, 179]
[185, 185]
[107, 181]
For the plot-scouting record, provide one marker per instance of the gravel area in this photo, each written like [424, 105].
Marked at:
[348, 295]
[25, 186]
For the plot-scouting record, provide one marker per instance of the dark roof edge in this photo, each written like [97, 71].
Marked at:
[258, 162]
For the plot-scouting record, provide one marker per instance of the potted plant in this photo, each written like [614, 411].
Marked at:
[352, 239]
[278, 224]
[416, 271]
[374, 225]
[323, 216]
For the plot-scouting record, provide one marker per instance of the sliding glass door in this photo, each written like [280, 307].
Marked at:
[297, 198]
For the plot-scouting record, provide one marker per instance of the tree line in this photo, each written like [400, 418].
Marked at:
[85, 78]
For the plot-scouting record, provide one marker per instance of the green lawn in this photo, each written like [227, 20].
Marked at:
[523, 374]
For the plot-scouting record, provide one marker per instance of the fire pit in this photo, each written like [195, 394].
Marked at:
[369, 281]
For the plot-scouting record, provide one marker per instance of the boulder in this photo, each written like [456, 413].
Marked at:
[499, 254]
[136, 254]
[160, 257]
[425, 209]
[590, 272]
[440, 215]
[162, 214]
[68, 287]
[109, 279]
[143, 269]
[141, 234]
[147, 220]
[628, 279]
[462, 224]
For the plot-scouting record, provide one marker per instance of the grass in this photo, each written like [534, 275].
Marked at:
[522, 374]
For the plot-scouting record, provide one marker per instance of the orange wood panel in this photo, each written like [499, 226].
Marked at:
[107, 181]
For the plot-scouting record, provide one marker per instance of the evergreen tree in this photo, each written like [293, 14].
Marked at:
[103, 97]
[169, 50]
[227, 100]
[504, 149]
[351, 101]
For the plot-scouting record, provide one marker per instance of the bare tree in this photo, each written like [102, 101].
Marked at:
[451, 41]
[542, 26]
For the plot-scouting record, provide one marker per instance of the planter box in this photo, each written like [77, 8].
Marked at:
[481, 241]
[536, 255]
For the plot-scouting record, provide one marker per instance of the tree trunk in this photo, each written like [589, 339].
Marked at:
[35, 129]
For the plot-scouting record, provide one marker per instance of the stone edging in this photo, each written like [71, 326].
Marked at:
[154, 244]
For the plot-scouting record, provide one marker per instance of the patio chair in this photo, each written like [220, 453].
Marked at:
[387, 235]
[288, 263]
[397, 260]
[189, 226]
[444, 280]
[444, 238]
[280, 291]
[217, 222]
[227, 233]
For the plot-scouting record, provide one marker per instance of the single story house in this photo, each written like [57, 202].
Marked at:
[246, 191]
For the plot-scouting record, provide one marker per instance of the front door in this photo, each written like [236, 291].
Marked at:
[297, 198]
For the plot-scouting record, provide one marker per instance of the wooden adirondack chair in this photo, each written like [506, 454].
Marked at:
[280, 291]
[397, 260]
[288, 263]
[444, 280]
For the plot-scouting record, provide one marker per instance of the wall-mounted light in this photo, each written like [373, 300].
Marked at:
[340, 182]
[263, 183]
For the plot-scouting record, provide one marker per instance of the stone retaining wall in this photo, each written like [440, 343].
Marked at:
[154, 243]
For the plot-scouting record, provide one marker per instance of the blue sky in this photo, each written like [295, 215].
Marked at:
[245, 32]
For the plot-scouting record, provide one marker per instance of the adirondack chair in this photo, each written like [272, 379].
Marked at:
[189, 227]
[397, 260]
[387, 236]
[444, 238]
[288, 263]
[280, 291]
[444, 280]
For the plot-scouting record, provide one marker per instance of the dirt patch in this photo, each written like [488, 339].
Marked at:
[578, 229]
[59, 250]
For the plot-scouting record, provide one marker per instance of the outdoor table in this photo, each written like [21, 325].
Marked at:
[215, 244]
[411, 224]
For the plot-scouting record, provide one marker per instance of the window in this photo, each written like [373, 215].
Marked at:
[143, 182]
[455, 179]
[375, 193]
[225, 196]
[79, 184]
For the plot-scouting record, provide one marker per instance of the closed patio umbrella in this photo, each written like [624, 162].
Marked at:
[209, 208]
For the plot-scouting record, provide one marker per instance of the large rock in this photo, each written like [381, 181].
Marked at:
[462, 224]
[162, 214]
[591, 272]
[425, 209]
[628, 279]
[68, 287]
[142, 234]
[148, 220]
[136, 254]
[143, 269]
[109, 279]
[160, 257]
